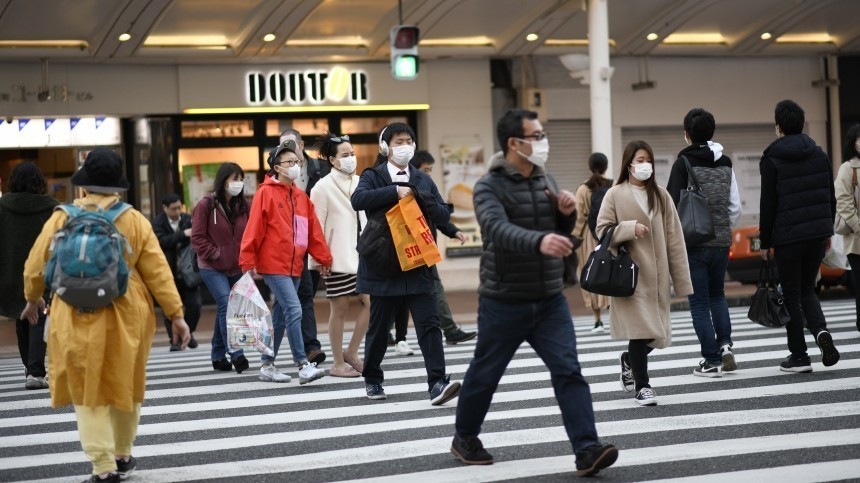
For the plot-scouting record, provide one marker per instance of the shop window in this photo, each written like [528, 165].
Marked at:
[308, 127]
[243, 128]
[367, 125]
[197, 169]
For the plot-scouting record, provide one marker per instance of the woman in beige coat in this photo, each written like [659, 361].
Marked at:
[597, 164]
[649, 226]
[98, 359]
[846, 206]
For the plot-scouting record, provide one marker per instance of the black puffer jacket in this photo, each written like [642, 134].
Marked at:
[798, 201]
[515, 213]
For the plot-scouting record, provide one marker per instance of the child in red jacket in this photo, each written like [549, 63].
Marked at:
[283, 226]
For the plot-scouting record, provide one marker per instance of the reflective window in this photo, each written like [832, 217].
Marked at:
[308, 127]
[218, 129]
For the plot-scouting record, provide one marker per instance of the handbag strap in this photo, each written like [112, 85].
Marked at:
[692, 182]
[766, 275]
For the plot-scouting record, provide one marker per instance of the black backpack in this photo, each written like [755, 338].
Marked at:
[596, 199]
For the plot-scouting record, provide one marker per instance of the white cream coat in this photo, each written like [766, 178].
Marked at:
[662, 259]
[331, 199]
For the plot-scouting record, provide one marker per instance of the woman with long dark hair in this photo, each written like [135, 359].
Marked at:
[216, 233]
[597, 164]
[647, 224]
[846, 205]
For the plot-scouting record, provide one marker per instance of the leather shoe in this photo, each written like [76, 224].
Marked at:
[192, 344]
[317, 356]
[459, 336]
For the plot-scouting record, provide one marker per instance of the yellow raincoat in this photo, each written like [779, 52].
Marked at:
[99, 358]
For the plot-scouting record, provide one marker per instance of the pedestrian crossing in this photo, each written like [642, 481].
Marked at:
[754, 424]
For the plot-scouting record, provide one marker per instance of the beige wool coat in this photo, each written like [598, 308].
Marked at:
[845, 206]
[662, 259]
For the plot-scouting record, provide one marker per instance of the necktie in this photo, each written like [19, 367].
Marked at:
[401, 173]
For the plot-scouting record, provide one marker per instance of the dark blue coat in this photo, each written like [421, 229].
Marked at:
[376, 195]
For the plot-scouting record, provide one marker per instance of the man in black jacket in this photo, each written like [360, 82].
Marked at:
[312, 171]
[525, 221]
[173, 229]
[798, 206]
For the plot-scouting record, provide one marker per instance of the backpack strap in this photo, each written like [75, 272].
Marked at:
[69, 209]
[116, 210]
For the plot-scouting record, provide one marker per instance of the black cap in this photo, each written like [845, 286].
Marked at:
[101, 172]
[288, 145]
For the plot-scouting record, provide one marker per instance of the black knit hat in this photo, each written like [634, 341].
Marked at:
[101, 172]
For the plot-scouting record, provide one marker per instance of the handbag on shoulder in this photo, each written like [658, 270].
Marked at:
[768, 307]
[694, 212]
[607, 274]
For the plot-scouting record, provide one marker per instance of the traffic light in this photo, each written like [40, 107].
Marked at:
[404, 52]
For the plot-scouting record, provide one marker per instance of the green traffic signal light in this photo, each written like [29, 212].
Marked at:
[406, 67]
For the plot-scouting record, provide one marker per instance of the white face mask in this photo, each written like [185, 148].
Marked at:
[348, 164]
[235, 187]
[401, 155]
[540, 152]
[643, 171]
[294, 171]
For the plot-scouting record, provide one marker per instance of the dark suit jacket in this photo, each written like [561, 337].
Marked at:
[172, 242]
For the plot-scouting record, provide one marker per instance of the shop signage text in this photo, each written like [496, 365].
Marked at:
[310, 86]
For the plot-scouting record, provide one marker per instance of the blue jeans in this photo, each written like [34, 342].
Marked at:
[547, 326]
[286, 316]
[219, 286]
[708, 305]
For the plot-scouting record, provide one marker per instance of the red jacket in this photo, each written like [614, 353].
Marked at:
[283, 225]
[214, 238]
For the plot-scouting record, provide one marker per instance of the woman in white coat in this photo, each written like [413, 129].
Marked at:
[847, 208]
[649, 227]
[341, 227]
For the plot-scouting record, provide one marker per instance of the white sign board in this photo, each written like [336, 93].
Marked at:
[51, 132]
[749, 181]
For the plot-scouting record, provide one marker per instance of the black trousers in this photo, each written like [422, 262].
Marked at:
[854, 261]
[31, 345]
[307, 289]
[798, 265]
[423, 310]
[400, 323]
[191, 303]
[637, 357]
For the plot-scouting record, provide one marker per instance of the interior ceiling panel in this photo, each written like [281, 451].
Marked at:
[364, 25]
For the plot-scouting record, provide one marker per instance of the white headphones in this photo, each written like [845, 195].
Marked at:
[383, 146]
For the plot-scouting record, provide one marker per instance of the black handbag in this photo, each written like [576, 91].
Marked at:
[187, 267]
[376, 246]
[608, 274]
[694, 212]
[768, 307]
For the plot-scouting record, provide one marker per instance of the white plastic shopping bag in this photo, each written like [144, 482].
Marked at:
[836, 257]
[249, 321]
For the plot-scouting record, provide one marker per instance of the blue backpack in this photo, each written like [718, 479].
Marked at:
[87, 269]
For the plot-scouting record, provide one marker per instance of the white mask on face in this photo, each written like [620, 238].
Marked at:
[401, 155]
[235, 187]
[540, 152]
[643, 171]
[348, 164]
[294, 171]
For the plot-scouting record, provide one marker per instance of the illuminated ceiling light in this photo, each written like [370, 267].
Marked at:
[766, 36]
[571, 42]
[124, 37]
[532, 37]
[652, 36]
[814, 38]
[328, 42]
[45, 44]
[185, 41]
[269, 37]
[478, 41]
[362, 107]
[695, 38]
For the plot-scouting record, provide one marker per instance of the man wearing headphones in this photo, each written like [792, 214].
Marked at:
[390, 288]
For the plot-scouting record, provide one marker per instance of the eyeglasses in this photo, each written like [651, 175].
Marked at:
[538, 136]
[340, 139]
[289, 162]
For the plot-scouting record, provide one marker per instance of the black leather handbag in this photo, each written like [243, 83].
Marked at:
[694, 212]
[608, 274]
[768, 307]
[188, 269]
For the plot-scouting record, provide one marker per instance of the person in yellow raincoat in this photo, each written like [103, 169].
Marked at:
[97, 360]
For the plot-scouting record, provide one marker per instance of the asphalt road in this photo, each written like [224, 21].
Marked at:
[755, 424]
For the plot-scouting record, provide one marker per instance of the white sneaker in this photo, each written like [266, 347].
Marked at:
[402, 348]
[270, 373]
[728, 358]
[309, 373]
[598, 327]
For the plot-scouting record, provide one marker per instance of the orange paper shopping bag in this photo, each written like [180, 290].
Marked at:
[413, 239]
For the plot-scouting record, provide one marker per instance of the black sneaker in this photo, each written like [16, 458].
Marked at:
[192, 344]
[375, 392]
[829, 354]
[240, 363]
[112, 478]
[391, 340]
[175, 347]
[444, 391]
[598, 326]
[796, 364]
[222, 365]
[470, 451]
[706, 369]
[125, 468]
[627, 382]
[594, 458]
[459, 336]
[646, 397]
